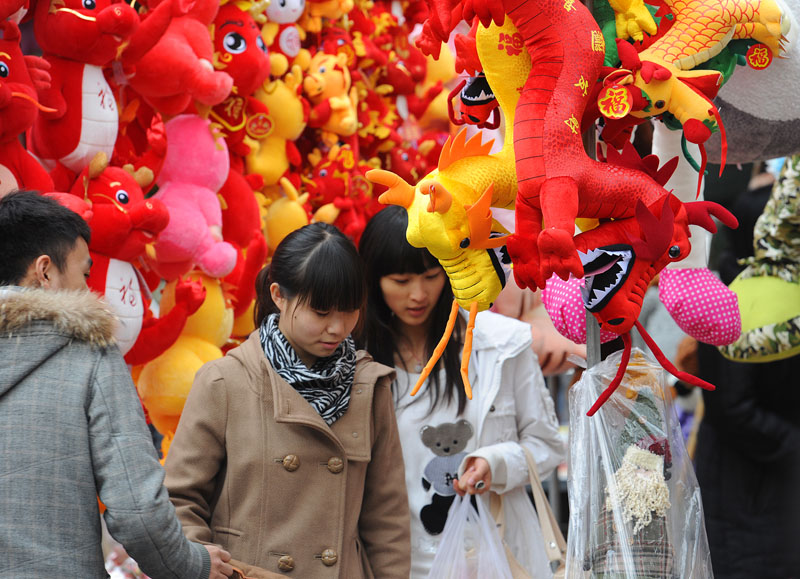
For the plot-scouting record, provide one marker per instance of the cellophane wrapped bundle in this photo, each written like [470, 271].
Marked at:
[635, 507]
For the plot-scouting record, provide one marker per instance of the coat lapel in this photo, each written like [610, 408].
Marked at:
[352, 432]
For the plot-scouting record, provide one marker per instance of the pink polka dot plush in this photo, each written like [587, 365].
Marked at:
[564, 303]
[701, 305]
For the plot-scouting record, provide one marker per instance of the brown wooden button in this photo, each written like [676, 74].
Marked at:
[291, 462]
[335, 464]
[286, 563]
[329, 557]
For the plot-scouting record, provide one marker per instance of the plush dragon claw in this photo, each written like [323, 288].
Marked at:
[557, 254]
[633, 19]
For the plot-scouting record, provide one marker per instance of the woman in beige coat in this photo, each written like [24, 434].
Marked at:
[287, 452]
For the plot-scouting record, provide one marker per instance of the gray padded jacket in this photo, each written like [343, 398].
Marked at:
[72, 429]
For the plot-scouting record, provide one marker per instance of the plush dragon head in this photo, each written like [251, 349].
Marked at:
[453, 220]
[620, 258]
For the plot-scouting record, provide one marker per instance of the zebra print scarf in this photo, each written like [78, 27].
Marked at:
[326, 385]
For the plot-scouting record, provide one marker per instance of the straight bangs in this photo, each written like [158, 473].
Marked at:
[333, 280]
[399, 258]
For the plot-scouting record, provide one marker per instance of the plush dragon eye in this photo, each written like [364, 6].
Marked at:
[234, 43]
[674, 252]
[260, 44]
[4, 70]
[659, 104]
[89, 4]
[123, 197]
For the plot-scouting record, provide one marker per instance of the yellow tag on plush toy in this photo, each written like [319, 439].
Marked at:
[614, 102]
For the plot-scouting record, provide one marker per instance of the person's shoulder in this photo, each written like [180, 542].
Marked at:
[499, 331]
[368, 371]
[80, 315]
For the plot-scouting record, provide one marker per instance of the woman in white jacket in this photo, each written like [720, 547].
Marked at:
[452, 445]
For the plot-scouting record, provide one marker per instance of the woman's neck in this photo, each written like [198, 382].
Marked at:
[412, 345]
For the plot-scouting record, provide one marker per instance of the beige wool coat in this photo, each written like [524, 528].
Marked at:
[254, 468]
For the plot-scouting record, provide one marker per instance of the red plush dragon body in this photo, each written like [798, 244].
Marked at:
[77, 39]
[557, 180]
[19, 80]
[123, 224]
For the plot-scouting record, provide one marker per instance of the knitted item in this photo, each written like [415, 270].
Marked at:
[326, 385]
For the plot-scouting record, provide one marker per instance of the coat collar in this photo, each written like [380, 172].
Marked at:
[80, 314]
[353, 431]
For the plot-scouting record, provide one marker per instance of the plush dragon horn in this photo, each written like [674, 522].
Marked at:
[399, 193]
[440, 197]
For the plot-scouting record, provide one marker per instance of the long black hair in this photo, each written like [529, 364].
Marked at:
[318, 265]
[385, 251]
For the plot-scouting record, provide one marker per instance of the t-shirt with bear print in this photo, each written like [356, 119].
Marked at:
[433, 447]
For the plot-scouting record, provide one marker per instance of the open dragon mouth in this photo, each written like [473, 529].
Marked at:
[605, 271]
[477, 91]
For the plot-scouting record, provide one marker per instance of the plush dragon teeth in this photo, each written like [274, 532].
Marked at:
[605, 270]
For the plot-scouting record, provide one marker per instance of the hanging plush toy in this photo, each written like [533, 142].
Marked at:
[327, 86]
[449, 210]
[340, 193]
[241, 227]
[241, 53]
[275, 155]
[164, 383]
[179, 68]
[77, 39]
[759, 105]
[19, 105]
[284, 37]
[285, 214]
[195, 167]
[317, 10]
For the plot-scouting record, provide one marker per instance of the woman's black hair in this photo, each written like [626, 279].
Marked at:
[318, 265]
[385, 251]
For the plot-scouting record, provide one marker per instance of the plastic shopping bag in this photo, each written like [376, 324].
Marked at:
[471, 547]
[635, 507]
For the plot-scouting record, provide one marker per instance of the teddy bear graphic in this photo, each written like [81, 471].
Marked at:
[447, 441]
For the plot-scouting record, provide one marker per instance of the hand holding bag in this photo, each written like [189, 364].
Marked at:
[470, 547]
[554, 543]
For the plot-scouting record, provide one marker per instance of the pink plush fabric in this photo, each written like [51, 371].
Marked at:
[701, 305]
[564, 303]
[195, 167]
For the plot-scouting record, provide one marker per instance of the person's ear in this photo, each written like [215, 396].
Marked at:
[42, 268]
[277, 297]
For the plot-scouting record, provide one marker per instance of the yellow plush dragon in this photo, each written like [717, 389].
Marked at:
[449, 211]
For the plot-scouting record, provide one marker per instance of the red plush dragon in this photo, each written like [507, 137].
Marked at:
[20, 77]
[557, 180]
[637, 249]
[123, 224]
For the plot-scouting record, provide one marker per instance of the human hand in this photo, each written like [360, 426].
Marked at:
[477, 471]
[219, 562]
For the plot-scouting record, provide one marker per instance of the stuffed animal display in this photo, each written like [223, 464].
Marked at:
[194, 135]
[642, 227]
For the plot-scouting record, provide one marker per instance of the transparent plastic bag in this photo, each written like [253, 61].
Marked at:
[471, 547]
[635, 506]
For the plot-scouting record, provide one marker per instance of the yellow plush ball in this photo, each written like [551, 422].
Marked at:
[164, 383]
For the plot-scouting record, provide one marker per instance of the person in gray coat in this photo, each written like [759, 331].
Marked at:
[71, 424]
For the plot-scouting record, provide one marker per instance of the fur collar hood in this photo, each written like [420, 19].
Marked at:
[81, 315]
